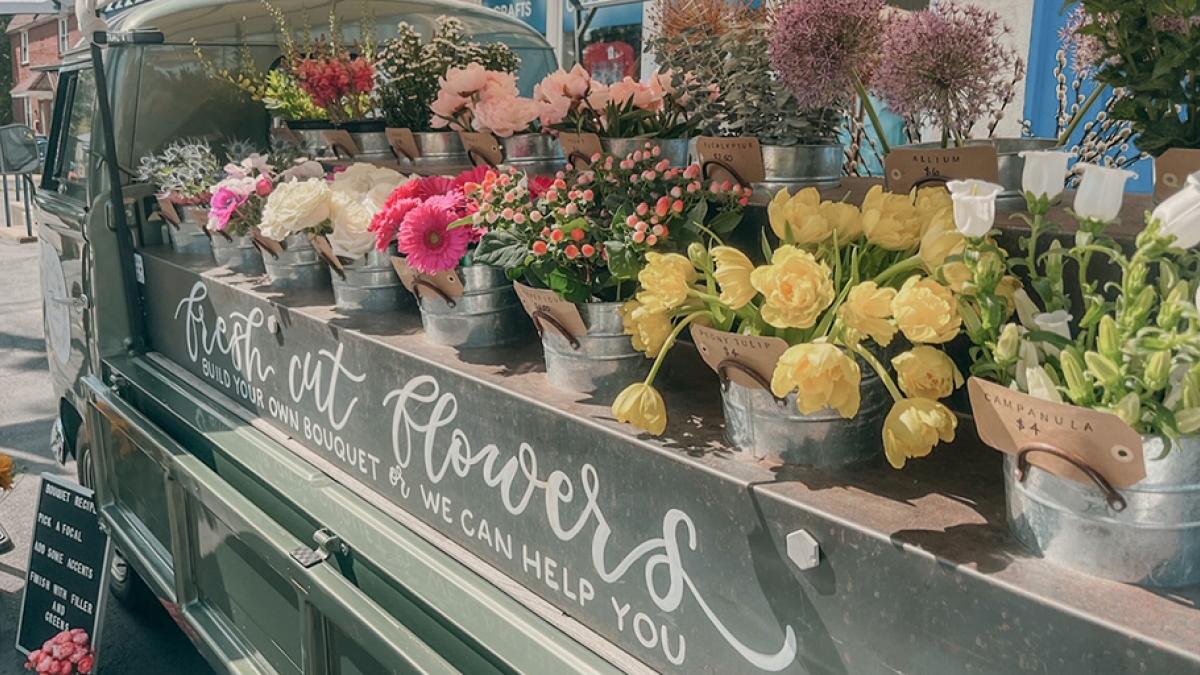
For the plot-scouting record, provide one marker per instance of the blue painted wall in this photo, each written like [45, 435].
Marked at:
[1049, 18]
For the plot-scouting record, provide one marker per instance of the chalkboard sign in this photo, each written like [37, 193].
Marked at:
[68, 566]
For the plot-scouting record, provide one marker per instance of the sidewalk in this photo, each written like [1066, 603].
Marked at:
[14, 228]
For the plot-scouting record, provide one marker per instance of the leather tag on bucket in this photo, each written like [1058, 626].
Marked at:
[536, 300]
[286, 135]
[403, 143]
[739, 353]
[341, 142]
[482, 148]
[907, 168]
[446, 282]
[169, 212]
[736, 158]
[1171, 170]
[265, 244]
[580, 148]
[325, 250]
[1011, 421]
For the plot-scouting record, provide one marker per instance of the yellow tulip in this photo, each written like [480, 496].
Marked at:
[933, 202]
[6, 472]
[891, 221]
[823, 377]
[796, 286]
[799, 219]
[845, 219]
[914, 427]
[926, 372]
[926, 311]
[867, 311]
[642, 406]
[733, 275]
[937, 244]
[648, 329]
[666, 280]
[956, 275]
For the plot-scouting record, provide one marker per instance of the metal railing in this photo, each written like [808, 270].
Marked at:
[20, 185]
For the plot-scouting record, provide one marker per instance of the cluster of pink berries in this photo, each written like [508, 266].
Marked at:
[67, 653]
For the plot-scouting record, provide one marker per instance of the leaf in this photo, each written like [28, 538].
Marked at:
[698, 212]
[501, 248]
[568, 286]
[726, 222]
[623, 262]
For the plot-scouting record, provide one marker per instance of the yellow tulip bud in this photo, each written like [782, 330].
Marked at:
[733, 276]
[698, 254]
[642, 406]
[914, 427]
[926, 372]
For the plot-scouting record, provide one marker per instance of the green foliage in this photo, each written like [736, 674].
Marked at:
[1151, 53]
[410, 68]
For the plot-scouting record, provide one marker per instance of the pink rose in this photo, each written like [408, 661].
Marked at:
[465, 81]
[505, 116]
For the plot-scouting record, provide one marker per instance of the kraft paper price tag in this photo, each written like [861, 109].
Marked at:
[169, 212]
[446, 282]
[325, 250]
[403, 143]
[1171, 171]
[738, 159]
[341, 142]
[759, 354]
[1009, 421]
[545, 300]
[580, 147]
[265, 244]
[908, 167]
[482, 148]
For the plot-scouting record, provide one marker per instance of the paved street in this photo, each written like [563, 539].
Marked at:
[134, 644]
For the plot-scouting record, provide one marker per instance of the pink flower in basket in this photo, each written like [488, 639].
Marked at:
[427, 239]
[224, 204]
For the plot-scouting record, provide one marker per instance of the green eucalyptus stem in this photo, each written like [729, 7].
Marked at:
[865, 97]
[1077, 118]
[670, 342]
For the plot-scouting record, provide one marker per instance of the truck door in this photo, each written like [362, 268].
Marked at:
[63, 203]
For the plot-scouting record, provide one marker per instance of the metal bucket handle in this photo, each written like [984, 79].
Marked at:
[930, 180]
[577, 155]
[710, 163]
[1115, 501]
[540, 315]
[421, 283]
[733, 363]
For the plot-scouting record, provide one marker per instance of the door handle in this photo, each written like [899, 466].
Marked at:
[80, 301]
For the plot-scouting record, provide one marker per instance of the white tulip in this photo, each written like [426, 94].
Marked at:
[1101, 191]
[1045, 173]
[1179, 214]
[974, 205]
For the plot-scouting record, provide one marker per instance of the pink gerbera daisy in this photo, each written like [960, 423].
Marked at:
[387, 222]
[426, 239]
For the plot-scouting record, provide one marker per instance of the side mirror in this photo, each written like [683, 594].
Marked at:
[18, 150]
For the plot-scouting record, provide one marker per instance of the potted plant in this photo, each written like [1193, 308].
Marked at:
[364, 279]
[295, 216]
[235, 210]
[486, 104]
[184, 172]
[946, 69]
[623, 116]
[579, 243]
[1128, 367]
[791, 339]
[410, 70]
[1149, 55]
[464, 303]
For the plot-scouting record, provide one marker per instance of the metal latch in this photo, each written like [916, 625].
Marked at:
[327, 543]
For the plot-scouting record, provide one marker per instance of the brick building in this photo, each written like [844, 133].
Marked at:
[39, 42]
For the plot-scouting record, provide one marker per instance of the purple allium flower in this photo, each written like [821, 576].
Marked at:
[818, 46]
[1086, 51]
[945, 66]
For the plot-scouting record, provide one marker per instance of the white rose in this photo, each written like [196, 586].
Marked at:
[295, 206]
[363, 178]
[351, 216]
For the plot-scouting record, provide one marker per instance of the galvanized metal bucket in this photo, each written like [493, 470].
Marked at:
[487, 314]
[1010, 165]
[238, 254]
[308, 135]
[370, 140]
[190, 237]
[298, 265]
[1147, 534]
[767, 428]
[673, 149]
[535, 154]
[440, 152]
[798, 166]
[370, 286]
[600, 363]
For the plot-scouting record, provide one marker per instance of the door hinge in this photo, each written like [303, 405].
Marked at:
[327, 543]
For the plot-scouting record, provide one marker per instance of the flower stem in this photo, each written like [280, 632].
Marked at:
[1069, 131]
[670, 342]
[865, 97]
[907, 265]
[867, 356]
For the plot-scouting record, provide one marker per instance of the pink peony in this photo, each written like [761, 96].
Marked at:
[644, 96]
[553, 111]
[504, 116]
[445, 108]
[224, 204]
[428, 242]
[465, 81]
